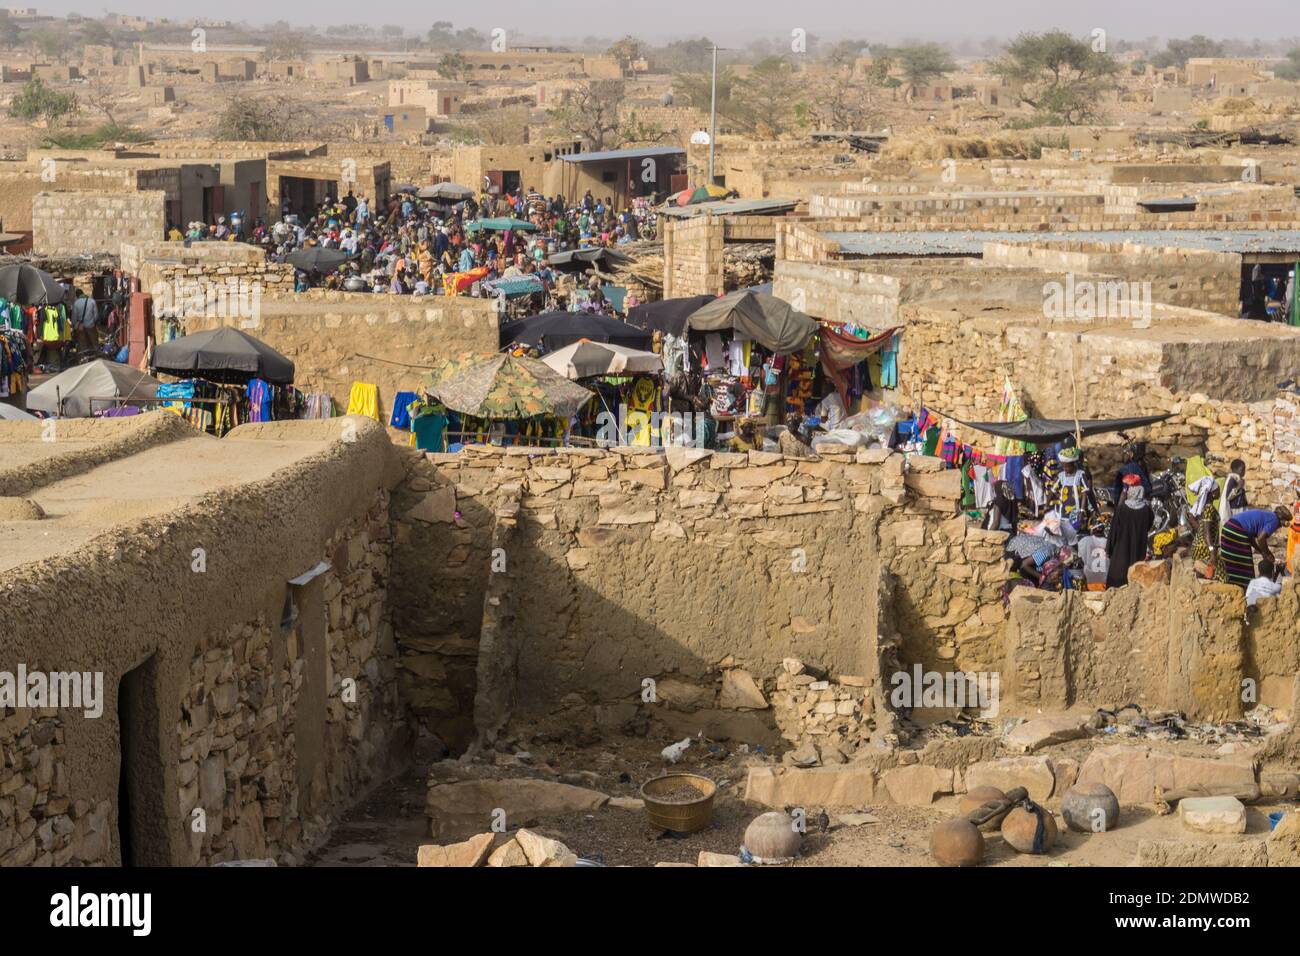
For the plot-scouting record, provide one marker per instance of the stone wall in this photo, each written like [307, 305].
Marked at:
[93, 223]
[273, 743]
[1221, 393]
[214, 697]
[1168, 641]
[206, 278]
[681, 568]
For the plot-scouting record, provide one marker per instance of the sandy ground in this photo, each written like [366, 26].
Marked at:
[387, 828]
[155, 481]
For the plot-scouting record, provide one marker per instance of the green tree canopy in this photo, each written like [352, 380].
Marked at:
[36, 101]
[1061, 77]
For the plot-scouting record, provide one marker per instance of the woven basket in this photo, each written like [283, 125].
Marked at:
[679, 817]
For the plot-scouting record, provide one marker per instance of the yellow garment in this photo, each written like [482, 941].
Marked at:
[1293, 540]
[364, 400]
[1196, 470]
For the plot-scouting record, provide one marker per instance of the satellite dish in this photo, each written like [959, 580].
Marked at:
[700, 138]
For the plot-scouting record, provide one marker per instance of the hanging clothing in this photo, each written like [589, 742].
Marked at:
[401, 417]
[982, 479]
[259, 400]
[428, 431]
[364, 400]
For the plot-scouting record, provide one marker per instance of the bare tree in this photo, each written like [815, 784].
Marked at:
[592, 112]
[101, 96]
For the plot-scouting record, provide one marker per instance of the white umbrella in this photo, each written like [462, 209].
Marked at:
[14, 413]
[68, 394]
[585, 358]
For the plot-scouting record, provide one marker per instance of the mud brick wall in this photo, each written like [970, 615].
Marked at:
[230, 707]
[1192, 278]
[92, 223]
[693, 257]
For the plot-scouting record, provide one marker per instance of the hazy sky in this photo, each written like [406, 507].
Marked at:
[722, 20]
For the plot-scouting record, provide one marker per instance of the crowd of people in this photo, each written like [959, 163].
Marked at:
[1084, 537]
[408, 245]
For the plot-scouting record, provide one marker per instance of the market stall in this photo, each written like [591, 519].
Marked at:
[227, 378]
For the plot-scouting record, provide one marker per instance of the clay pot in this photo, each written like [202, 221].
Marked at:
[1080, 804]
[957, 843]
[976, 797]
[1019, 826]
[772, 838]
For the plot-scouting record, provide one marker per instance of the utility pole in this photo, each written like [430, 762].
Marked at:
[713, 114]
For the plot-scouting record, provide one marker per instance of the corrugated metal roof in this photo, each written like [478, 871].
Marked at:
[955, 243]
[732, 207]
[634, 153]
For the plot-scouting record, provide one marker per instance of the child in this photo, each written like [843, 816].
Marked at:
[1263, 584]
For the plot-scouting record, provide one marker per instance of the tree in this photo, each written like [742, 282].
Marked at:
[640, 132]
[681, 56]
[262, 119]
[627, 51]
[1290, 70]
[1178, 52]
[1061, 78]
[50, 42]
[103, 97]
[38, 101]
[286, 46]
[923, 62]
[92, 31]
[767, 102]
[454, 66]
[441, 36]
[844, 52]
[840, 101]
[591, 111]
[499, 127]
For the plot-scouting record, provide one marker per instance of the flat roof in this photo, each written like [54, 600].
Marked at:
[634, 153]
[971, 243]
[732, 207]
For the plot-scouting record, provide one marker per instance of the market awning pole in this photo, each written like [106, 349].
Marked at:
[1074, 402]
[713, 113]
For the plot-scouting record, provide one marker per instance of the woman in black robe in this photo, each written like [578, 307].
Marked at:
[1126, 543]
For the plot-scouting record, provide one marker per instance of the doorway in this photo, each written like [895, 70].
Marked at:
[141, 820]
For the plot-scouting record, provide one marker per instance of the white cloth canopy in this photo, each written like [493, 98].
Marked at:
[586, 358]
[74, 388]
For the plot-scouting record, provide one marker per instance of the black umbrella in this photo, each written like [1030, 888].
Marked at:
[1046, 431]
[555, 330]
[28, 285]
[317, 259]
[447, 192]
[576, 259]
[222, 354]
[667, 315]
